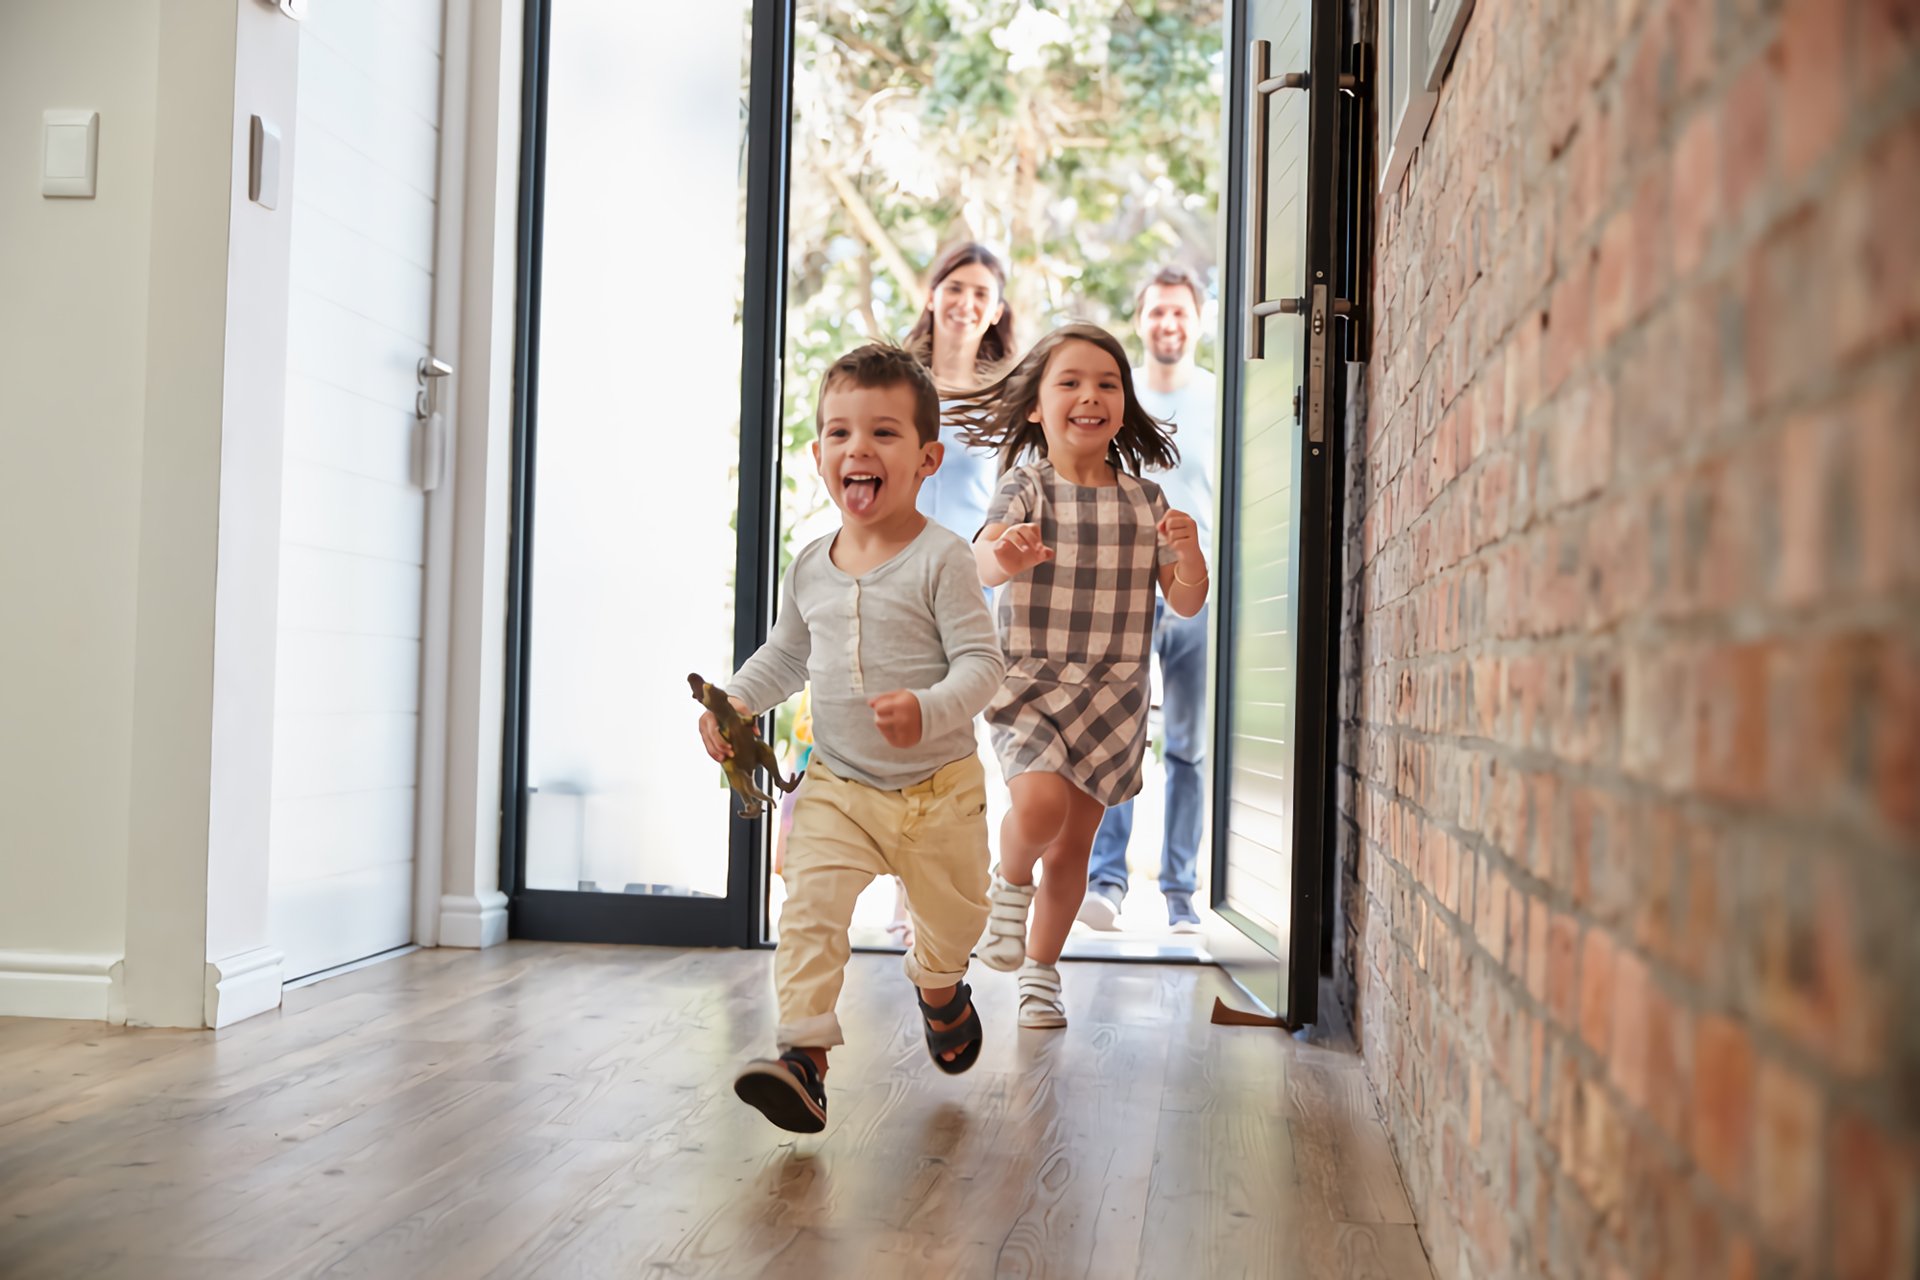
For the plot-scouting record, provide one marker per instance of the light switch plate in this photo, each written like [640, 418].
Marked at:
[69, 154]
[263, 172]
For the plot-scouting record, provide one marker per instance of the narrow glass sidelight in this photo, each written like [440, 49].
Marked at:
[651, 174]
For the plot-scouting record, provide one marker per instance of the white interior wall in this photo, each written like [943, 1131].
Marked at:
[73, 362]
[179, 518]
[142, 351]
[140, 367]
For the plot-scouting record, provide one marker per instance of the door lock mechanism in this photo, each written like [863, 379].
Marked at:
[428, 372]
[430, 437]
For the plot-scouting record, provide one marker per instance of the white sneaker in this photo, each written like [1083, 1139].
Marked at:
[1040, 1003]
[1100, 909]
[1005, 944]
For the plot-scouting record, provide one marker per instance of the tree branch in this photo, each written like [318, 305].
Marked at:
[860, 44]
[876, 235]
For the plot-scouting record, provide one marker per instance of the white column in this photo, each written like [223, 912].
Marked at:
[473, 910]
[209, 526]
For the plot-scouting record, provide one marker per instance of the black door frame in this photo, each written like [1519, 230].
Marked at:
[1318, 619]
[738, 919]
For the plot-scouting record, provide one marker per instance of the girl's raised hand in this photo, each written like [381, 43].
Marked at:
[1183, 535]
[897, 716]
[1020, 548]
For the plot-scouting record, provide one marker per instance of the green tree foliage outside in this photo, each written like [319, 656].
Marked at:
[1079, 139]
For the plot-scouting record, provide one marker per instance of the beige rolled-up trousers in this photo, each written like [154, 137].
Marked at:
[933, 835]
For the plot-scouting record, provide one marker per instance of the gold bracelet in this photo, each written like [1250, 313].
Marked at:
[1200, 581]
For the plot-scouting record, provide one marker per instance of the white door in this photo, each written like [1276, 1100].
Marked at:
[353, 528]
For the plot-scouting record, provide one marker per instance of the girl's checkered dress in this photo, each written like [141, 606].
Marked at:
[1078, 629]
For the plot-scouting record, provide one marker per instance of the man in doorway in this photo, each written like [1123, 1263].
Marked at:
[1166, 315]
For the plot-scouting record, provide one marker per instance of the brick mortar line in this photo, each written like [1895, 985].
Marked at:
[1876, 857]
[1889, 609]
[1728, 246]
[1890, 613]
[1546, 1152]
[1679, 1160]
[1829, 389]
[1889, 358]
[1877, 1095]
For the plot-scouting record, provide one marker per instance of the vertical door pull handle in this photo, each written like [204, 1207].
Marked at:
[1265, 85]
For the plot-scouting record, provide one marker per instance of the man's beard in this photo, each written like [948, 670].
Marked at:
[1160, 355]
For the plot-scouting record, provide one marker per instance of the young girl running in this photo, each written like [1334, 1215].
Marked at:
[1081, 542]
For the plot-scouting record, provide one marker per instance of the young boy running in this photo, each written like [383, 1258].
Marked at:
[886, 618]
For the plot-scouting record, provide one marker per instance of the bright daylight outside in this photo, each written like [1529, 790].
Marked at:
[1078, 141]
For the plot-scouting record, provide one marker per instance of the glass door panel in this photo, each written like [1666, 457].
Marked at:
[1274, 567]
[892, 167]
[630, 464]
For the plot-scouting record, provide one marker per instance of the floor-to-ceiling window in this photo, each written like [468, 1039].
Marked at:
[640, 203]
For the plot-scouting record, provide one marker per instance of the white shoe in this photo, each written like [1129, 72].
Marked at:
[1100, 909]
[1005, 944]
[1040, 1002]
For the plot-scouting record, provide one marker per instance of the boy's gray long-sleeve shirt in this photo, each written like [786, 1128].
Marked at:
[917, 622]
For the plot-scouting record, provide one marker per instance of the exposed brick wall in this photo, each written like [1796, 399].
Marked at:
[1631, 700]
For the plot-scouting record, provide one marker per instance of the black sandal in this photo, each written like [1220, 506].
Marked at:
[965, 1032]
[787, 1090]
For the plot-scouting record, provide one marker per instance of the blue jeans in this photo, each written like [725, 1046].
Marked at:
[1181, 644]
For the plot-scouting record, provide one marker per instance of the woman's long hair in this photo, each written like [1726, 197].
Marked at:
[997, 343]
[996, 416]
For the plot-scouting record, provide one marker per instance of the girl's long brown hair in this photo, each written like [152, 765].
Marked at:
[996, 416]
[996, 344]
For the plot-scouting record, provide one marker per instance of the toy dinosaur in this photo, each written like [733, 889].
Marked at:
[750, 750]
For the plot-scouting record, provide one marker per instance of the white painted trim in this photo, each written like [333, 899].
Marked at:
[241, 986]
[482, 457]
[430, 832]
[340, 970]
[57, 984]
[473, 921]
[1446, 23]
[1405, 103]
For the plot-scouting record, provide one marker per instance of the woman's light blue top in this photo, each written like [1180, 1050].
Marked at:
[956, 495]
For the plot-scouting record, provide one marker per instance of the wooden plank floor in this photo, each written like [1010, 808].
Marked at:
[553, 1111]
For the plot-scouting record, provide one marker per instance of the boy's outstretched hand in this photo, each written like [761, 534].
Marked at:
[1019, 549]
[718, 747]
[897, 716]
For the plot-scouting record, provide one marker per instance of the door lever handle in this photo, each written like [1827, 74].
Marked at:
[430, 440]
[428, 373]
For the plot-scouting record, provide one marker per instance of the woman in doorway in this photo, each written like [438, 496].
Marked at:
[965, 337]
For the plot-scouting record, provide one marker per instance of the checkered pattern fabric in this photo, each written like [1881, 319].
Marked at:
[1077, 630]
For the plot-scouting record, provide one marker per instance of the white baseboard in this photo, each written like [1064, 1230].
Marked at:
[241, 986]
[59, 984]
[470, 921]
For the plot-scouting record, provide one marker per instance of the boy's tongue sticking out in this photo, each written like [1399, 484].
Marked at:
[861, 490]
